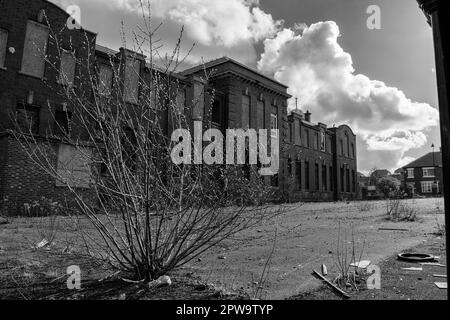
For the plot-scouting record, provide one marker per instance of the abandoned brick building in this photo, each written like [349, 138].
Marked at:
[316, 162]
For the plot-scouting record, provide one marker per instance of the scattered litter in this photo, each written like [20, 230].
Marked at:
[416, 257]
[160, 282]
[221, 257]
[361, 264]
[3, 220]
[336, 288]
[44, 242]
[393, 229]
[441, 285]
[435, 264]
[413, 269]
[440, 275]
[324, 270]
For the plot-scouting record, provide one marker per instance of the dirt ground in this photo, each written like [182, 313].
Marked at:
[302, 239]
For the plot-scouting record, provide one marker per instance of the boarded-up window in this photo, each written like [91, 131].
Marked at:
[131, 85]
[67, 68]
[105, 77]
[3, 42]
[73, 166]
[245, 117]
[35, 47]
[260, 114]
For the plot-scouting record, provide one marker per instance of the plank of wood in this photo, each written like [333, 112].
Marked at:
[393, 229]
[335, 287]
[435, 264]
[440, 275]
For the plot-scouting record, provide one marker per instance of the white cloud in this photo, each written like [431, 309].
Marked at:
[321, 74]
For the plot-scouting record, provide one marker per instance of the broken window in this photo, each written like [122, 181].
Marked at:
[67, 68]
[105, 76]
[34, 51]
[131, 85]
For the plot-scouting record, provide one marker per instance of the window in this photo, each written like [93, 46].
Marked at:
[28, 118]
[342, 180]
[428, 172]
[273, 124]
[307, 175]
[35, 47]
[181, 104]
[348, 180]
[131, 85]
[298, 173]
[62, 122]
[291, 132]
[289, 166]
[427, 186]
[316, 172]
[105, 76]
[353, 181]
[410, 172]
[324, 178]
[3, 45]
[245, 117]
[322, 141]
[67, 68]
[73, 166]
[353, 151]
[306, 135]
[331, 178]
[341, 150]
[347, 145]
[316, 140]
[260, 114]
[274, 180]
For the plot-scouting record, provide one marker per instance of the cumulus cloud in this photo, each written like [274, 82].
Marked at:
[321, 74]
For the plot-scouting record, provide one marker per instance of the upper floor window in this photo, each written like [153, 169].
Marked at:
[35, 48]
[353, 151]
[105, 76]
[28, 118]
[410, 172]
[306, 135]
[3, 45]
[245, 119]
[260, 114]
[428, 172]
[181, 104]
[273, 124]
[131, 84]
[67, 68]
[341, 144]
[62, 122]
[322, 141]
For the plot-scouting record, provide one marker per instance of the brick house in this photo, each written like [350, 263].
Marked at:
[321, 159]
[424, 175]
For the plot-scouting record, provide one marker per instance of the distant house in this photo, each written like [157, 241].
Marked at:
[380, 173]
[424, 175]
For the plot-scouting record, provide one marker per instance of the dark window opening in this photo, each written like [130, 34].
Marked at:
[324, 178]
[316, 170]
[307, 175]
[28, 118]
[216, 112]
[298, 173]
[62, 122]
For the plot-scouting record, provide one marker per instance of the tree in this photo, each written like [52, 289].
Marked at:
[151, 215]
[388, 185]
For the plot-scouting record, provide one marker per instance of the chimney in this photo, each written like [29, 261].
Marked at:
[308, 116]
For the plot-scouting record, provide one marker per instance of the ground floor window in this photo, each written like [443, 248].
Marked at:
[298, 173]
[427, 186]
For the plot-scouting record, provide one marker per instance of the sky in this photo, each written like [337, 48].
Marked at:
[381, 82]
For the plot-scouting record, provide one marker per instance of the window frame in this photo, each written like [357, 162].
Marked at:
[27, 72]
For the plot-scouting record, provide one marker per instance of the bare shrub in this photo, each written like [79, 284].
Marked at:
[347, 253]
[45, 214]
[400, 210]
[151, 215]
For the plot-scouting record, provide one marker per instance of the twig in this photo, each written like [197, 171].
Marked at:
[340, 291]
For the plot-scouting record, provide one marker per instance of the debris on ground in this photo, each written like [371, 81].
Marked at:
[440, 275]
[43, 243]
[416, 257]
[335, 287]
[221, 257]
[433, 264]
[413, 269]
[160, 282]
[3, 221]
[363, 264]
[393, 229]
[324, 270]
[441, 285]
